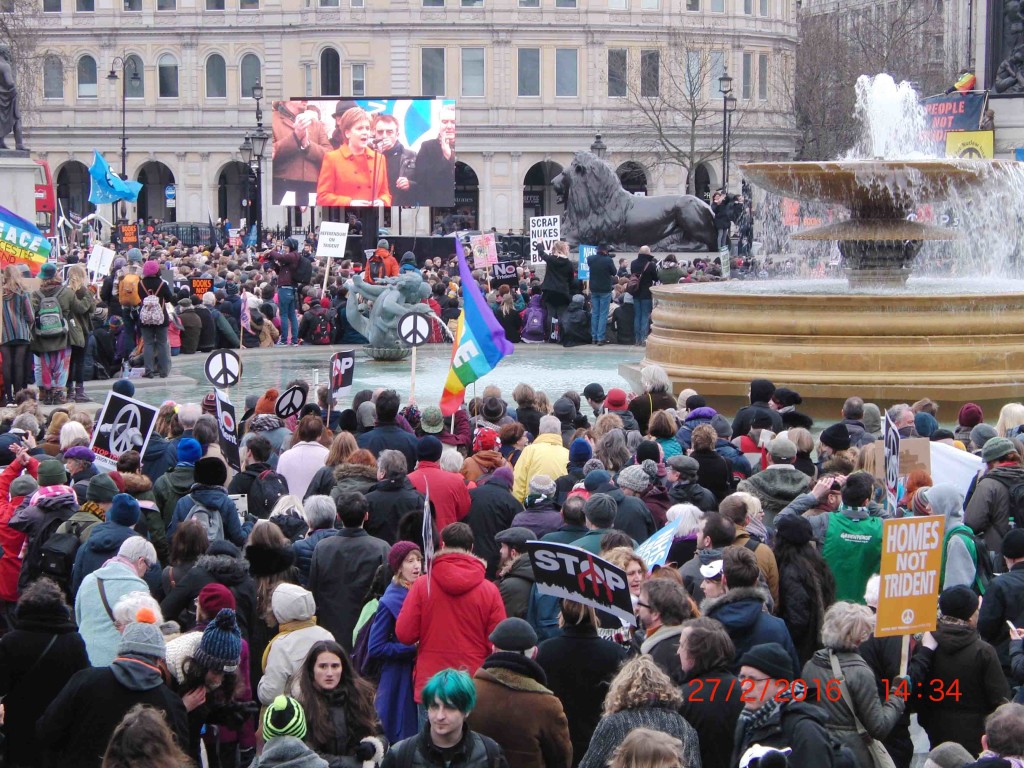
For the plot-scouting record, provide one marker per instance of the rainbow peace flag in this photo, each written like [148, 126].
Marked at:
[479, 340]
[21, 242]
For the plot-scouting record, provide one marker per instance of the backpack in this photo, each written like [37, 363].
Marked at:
[57, 558]
[152, 312]
[210, 519]
[266, 490]
[321, 333]
[984, 570]
[533, 322]
[128, 291]
[50, 320]
[633, 284]
[368, 667]
[375, 267]
[1015, 490]
[303, 271]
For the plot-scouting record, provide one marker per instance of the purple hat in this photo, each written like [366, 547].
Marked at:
[504, 476]
[80, 453]
[398, 552]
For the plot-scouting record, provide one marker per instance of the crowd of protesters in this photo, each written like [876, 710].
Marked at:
[149, 622]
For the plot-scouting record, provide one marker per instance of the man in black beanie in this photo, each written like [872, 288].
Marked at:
[761, 391]
[1004, 598]
[772, 717]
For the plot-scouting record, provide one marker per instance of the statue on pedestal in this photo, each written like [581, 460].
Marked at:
[391, 298]
[10, 117]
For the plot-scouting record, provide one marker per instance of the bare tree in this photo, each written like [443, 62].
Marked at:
[900, 37]
[673, 90]
[21, 30]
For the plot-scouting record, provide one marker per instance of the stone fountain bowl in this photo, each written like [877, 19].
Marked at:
[387, 353]
[874, 186]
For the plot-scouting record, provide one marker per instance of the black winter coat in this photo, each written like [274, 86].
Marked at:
[715, 473]
[213, 569]
[1004, 601]
[633, 516]
[967, 661]
[492, 508]
[32, 673]
[798, 725]
[207, 330]
[648, 271]
[622, 324]
[303, 549]
[802, 605]
[882, 655]
[579, 666]
[712, 703]
[693, 493]
[557, 285]
[390, 501]
[530, 419]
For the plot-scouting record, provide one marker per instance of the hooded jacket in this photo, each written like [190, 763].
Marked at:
[515, 586]
[537, 734]
[232, 572]
[633, 516]
[482, 463]
[171, 486]
[11, 540]
[38, 522]
[80, 721]
[353, 477]
[395, 704]
[795, 724]
[492, 508]
[295, 612]
[988, 511]
[743, 613]
[540, 515]
[449, 497]
[215, 498]
[776, 486]
[453, 623]
[288, 752]
[694, 419]
[390, 501]
[546, 455]
[693, 493]
[575, 325]
[95, 624]
[662, 645]
[103, 542]
[962, 659]
[303, 549]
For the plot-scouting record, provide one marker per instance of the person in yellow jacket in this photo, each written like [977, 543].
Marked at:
[544, 456]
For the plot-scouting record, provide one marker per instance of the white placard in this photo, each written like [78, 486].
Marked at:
[331, 242]
[546, 230]
[100, 259]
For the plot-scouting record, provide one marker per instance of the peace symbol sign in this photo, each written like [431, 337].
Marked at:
[290, 402]
[223, 368]
[413, 329]
[125, 432]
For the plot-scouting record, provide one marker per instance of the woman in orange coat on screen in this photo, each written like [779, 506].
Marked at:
[354, 174]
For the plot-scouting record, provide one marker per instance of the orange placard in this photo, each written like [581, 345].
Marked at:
[201, 285]
[908, 597]
[128, 234]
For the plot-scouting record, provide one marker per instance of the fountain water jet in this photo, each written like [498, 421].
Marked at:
[878, 337]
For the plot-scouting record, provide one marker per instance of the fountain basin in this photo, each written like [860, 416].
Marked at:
[951, 340]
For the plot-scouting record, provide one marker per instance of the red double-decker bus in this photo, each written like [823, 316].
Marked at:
[46, 200]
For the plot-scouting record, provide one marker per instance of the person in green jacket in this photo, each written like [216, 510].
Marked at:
[177, 482]
[50, 334]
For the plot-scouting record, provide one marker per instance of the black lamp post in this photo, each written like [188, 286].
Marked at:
[125, 64]
[252, 149]
[725, 86]
[599, 148]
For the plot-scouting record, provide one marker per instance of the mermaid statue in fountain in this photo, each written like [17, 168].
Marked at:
[389, 299]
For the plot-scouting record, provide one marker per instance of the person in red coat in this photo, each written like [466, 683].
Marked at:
[451, 611]
[353, 174]
[14, 487]
[447, 490]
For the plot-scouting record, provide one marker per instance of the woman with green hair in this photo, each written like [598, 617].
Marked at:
[449, 697]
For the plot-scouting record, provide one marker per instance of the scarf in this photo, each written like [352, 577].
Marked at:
[754, 719]
[1016, 761]
[94, 509]
[284, 629]
[757, 529]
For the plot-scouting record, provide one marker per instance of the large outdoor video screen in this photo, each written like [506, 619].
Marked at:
[364, 152]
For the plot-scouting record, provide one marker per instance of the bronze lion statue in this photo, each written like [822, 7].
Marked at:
[598, 210]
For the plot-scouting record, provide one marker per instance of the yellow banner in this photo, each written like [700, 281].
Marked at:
[970, 145]
[908, 596]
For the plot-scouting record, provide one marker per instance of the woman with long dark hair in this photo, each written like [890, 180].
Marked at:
[17, 333]
[340, 716]
[806, 585]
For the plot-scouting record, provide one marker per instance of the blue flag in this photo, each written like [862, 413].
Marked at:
[108, 187]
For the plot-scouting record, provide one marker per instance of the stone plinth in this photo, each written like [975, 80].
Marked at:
[18, 183]
[884, 347]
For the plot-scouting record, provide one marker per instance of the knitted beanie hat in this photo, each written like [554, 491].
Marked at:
[124, 509]
[143, 636]
[51, 472]
[542, 485]
[213, 598]
[580, 451]
[634, 478]
[398, 552]
[102, 489]
[221, 647]
[123, 386]
[284, 717]
[25, 485]
[189, 450]
[211, 471]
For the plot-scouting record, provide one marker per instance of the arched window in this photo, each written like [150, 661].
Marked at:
[135, 87]
[167, 70]
[216, 77]
[53, 78]
[250, 74]
[330, 73]
[87, 77]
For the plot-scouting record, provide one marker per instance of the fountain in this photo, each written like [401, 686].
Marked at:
[880, 336]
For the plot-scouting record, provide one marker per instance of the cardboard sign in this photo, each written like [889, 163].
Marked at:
[565, 571]
[545, 231]
[228, 430]
[201, 285]
[330, 243]
[128, 234]
[586, 251]
[290, 402]
[485, 250]
[504, 273]
[124, 424]
[908, 597]
[100, 259]
[915, 453]
[343, 370]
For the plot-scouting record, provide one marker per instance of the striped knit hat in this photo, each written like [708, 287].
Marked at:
[284, 717]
